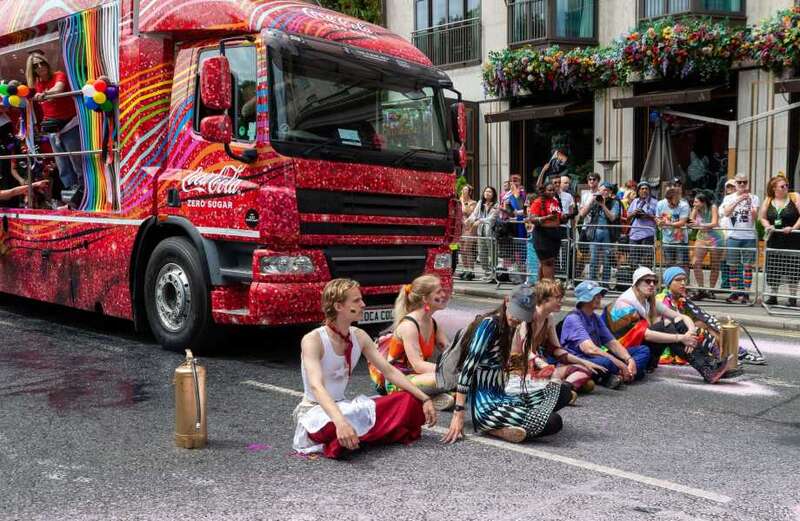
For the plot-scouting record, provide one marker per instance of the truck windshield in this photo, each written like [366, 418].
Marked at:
[343, 107]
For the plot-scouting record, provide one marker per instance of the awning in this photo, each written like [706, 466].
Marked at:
[524, 113]
[673, 97]
[790, 85]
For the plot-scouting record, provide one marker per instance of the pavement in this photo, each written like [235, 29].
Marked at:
[754, 316]
[87, 413]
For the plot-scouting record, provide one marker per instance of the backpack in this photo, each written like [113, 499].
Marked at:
[384, 343]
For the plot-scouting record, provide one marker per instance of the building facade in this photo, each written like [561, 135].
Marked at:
[622, 132]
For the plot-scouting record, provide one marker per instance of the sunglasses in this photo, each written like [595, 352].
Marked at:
[741, 182]
[36, 65]
[650, 281]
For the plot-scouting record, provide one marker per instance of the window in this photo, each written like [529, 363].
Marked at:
[449, 31]
[433, 13]
[341, 107]
[725, 8]
[242, 60]
[544, 22]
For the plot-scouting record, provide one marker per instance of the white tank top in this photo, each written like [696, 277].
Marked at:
[335, 372]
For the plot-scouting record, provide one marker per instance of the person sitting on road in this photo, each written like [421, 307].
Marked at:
[585, 335]
[415, 335]
[326, 421]
[675, 296]
[487, 342]
[636, 319]
[547, 358]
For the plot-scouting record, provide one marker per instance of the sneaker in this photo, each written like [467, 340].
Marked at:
[443, 402]
[680, 361]
[745, 299]
[613, 382]
[698, 295]
[771, 301]
[666, 358]
[752, 359]
[510, 434]
[588, 387]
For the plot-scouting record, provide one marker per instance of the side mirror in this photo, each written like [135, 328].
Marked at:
[215, 83]
[459, 113]
[217, 129]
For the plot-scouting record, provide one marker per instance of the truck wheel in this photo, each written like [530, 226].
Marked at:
[177, 296]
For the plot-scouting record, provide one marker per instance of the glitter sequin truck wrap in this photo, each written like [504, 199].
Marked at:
[255, 150]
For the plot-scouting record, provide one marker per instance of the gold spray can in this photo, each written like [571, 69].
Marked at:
[730, 343]
[190, 404]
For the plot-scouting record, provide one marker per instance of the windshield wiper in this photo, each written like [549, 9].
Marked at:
[411, 153]
[313, 148]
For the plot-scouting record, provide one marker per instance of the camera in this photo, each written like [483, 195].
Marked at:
[599, 198]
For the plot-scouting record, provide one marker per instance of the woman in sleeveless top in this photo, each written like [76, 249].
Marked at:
[548, 360]
[780, 217]
[414, 339]
[705, 219]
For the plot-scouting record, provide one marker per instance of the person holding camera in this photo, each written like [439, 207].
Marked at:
[604, 211]
[642, 215]
[742, 208]
[673, 218]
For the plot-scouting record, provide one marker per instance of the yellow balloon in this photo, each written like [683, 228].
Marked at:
[99, 98]
[14, 101]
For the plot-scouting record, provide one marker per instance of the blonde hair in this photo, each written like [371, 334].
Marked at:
[335, 293]
[30, 76]
[410, 298]
[548, 288]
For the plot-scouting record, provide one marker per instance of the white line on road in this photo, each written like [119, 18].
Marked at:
[541, 454]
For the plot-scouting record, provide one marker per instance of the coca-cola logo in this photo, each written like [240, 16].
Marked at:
[339, 21]
[224, 182]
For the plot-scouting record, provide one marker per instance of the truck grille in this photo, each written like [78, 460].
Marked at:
[358, 203]
[377, 266]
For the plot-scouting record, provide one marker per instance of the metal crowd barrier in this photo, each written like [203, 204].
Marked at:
[733, 270]
[601, 256]
[775, 276]
[781, 277]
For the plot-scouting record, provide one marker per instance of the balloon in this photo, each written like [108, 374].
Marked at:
[88, 90]
[23, 91]
[91, 104]
[12, 90]
[99, 98]
[3, 89]
[22, 103]
[14, 101]
[108, 106]
[112, 91]
[100, 86]
[6, 104]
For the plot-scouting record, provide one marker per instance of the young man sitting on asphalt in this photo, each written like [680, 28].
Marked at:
[586, 336]
[326, 421]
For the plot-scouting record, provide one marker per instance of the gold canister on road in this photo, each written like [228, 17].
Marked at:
[190, 404]
[730, 343]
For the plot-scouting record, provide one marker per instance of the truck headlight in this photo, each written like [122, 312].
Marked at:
[443, 261]
[285, 265]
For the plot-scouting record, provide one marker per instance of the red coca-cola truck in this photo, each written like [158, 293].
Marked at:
[255, 150]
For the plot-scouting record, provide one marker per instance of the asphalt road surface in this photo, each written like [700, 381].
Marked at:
[86, 432]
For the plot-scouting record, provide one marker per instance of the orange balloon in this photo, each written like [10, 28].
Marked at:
[23, 91]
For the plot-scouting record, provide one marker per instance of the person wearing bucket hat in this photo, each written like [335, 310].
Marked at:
[674, 296]
[636, 319]
[584, 335]
[487, 343]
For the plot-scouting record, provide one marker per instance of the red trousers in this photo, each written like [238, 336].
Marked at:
[398, 419]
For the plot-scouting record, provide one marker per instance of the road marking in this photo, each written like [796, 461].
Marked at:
[541, 454]
[268, 387]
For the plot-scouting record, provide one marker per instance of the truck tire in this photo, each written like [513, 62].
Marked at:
[177, 298]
